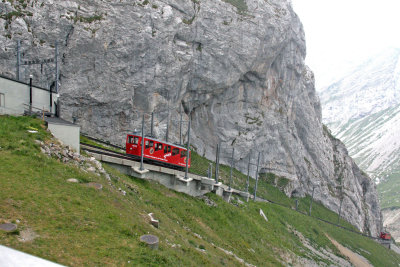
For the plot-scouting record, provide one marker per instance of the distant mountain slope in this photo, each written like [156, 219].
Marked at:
[373, 141]
[363, 110]
[371, 87]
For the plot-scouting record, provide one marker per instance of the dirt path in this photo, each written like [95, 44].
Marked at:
[354, 258]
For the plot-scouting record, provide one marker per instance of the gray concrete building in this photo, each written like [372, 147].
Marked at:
[68, 133]
[16, 97]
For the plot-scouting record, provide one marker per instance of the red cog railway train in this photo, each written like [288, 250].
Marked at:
[157, 151]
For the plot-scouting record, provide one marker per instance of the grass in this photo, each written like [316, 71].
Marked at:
[80, 226]
[389, 190]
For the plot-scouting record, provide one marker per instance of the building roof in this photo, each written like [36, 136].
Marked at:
[55, 120]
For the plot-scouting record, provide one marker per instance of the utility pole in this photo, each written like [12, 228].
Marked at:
[255, 189]
[217, 162]
[230, 176]
[248, 173]
[56, 60]
[180, 125]
[152, 124]
[188, 149]
[341, 202]
[18, 59]
[312, 197]
[30, 93]
[142, 153]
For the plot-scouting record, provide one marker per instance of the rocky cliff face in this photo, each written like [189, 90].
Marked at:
[240, 69]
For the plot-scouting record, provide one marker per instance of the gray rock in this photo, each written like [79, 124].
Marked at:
[242, 75]
[8, 227]
[91, 169]
[73, 180]
[95, 185]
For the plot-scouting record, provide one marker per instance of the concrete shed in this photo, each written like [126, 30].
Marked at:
[67, 132]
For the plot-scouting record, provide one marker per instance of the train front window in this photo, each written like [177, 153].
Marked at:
[136, 140]
[175, 151]
[183, 153]
[130, 139]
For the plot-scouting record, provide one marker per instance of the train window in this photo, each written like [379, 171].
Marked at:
[136, 140]
[183, 153]
[130, 139]
[175, 151]
[158, 146]
[167, 149]
[151, 144]
[146, 143]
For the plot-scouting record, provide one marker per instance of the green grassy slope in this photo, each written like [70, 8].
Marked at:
[389, 191]
[77, 225]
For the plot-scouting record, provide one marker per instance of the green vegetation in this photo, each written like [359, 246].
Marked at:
[389, 191]
[189, 21]
[254, 120]
[19, 11]
[240, 5]
[88, 19]
[77, 225]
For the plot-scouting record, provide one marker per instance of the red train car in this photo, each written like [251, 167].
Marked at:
[385, 236]
[156, 150]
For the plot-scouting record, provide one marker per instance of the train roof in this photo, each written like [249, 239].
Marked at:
[157, 140]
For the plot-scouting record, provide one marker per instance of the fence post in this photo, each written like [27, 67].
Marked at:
[188, 149]
[217, 163]
[230, 176]
[255, 189]
[297, 204]
[141, 154]
[312, 197]
[248, 173]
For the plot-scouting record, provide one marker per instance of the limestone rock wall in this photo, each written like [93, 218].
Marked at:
[240, 69]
